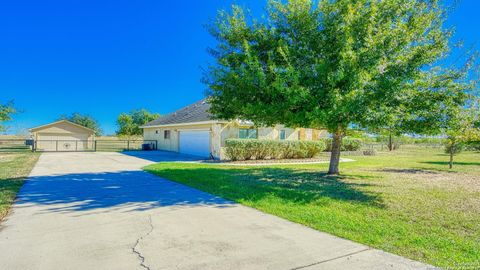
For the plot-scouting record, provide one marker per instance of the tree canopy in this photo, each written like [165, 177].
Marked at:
[129, 123]
[333, 63]
[83, 120]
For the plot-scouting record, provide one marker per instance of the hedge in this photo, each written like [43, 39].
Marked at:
[348, 144]
[245, 149]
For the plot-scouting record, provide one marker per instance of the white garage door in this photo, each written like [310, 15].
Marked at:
[195, 143]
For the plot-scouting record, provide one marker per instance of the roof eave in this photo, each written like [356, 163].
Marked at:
[186, 124]
[59, 121]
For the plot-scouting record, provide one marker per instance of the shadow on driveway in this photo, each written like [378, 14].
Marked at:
[162, 156]
[132, 190]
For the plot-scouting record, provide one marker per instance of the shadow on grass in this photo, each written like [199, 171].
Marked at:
[7, 184]
[289, 185]
[454, 163]
[8, 190]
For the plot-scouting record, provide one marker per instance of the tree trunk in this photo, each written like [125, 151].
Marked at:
[335, 155]
[450, 164]
[390, 142]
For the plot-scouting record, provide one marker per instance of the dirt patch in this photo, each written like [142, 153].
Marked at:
[408, 171]
[437, 179]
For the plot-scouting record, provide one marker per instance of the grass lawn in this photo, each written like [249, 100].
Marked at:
[406, 202]
[14, 167]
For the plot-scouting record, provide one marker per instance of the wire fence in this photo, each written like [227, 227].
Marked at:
[15, 145]
[124, 145]
[385, 147]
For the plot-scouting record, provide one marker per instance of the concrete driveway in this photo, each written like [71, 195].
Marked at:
[100, 211]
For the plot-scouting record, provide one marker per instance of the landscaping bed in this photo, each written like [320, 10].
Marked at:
[268, 161]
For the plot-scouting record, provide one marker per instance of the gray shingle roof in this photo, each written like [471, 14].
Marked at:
[197, 112]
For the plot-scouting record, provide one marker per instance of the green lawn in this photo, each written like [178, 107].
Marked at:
[14, 167]
[406, 202]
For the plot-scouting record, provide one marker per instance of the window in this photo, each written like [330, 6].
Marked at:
[247, 133]
[282, 134]
[156, 131]
[166, 134]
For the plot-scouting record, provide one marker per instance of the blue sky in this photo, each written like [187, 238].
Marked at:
[106, 57]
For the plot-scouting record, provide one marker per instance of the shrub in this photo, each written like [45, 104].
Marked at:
[454, 148]
[348, 144]
[370, 152]
[473, 146]
[328, 144]
[245, 149]
[351, 144]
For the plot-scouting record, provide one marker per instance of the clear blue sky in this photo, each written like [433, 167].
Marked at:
[119, 55]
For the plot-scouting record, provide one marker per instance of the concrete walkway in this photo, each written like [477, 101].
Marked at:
[100, 211]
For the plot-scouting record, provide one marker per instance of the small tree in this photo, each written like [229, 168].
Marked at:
[6, 112]
[83, 120]
[330, 64]
[129, 123]
[461, 130]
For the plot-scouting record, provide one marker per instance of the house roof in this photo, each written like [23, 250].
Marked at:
[58, 122]
[194, 113]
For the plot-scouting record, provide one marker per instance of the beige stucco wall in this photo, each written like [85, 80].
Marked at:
[231, 131]
[219, 132]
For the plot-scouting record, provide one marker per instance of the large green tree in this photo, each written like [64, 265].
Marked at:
[332, 63]
[83, 120]
[6, 112]
[129, 123]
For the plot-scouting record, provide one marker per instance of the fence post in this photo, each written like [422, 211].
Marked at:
[95, 146]
[128, 145]
[56, 145]
[76, 146]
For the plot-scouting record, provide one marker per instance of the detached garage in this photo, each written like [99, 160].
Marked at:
[63, 135]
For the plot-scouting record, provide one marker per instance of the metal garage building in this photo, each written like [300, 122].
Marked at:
[63, 135]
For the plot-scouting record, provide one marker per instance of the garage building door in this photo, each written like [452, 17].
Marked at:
[62, 142]
[195, 143]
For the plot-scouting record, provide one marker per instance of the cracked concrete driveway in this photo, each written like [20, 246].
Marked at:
[101, 211]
